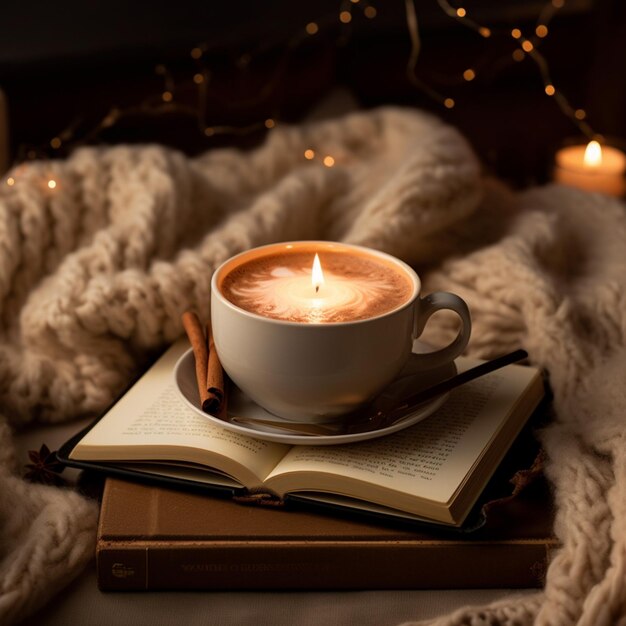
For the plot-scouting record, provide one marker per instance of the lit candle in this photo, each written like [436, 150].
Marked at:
[300, 285]
[592, 168]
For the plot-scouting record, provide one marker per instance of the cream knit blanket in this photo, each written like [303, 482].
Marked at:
[95, 274]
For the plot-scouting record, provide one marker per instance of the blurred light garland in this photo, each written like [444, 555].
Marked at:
[166, 101]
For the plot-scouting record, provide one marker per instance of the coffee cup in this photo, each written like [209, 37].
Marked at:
[312, 330]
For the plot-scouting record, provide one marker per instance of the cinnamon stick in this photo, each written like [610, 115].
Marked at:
[196, 337]
[216, 399]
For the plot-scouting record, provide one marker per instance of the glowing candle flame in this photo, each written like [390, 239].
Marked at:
[317, 276]
[593, 154]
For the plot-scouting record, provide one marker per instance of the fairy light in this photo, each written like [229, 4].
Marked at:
[469, 74]
[165, 100]
[10, 181]
[52, 184]
[345, 17]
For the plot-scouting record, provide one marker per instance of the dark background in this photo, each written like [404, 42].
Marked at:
[65, 66]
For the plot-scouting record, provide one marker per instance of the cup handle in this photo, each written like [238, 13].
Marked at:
[435, 302]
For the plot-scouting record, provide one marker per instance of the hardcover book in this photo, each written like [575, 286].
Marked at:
[434, 471]
[152, 538]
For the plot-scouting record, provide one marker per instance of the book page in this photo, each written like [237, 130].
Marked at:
[152, 422]
[428, 461]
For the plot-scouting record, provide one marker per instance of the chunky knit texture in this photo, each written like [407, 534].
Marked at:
[95, 274]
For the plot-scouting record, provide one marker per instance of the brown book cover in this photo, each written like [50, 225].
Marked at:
[151, 537]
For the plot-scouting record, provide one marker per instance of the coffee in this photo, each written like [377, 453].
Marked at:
[355, 286]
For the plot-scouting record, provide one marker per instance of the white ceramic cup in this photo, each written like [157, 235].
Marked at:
[316, 372]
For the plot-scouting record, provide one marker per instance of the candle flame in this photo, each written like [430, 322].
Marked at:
[593, 154]
[317, 276]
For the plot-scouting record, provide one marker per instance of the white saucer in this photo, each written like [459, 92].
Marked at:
[409, 381]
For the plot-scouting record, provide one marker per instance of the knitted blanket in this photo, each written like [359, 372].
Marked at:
[95, 274]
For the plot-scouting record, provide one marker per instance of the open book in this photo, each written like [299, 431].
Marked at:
[434, 470]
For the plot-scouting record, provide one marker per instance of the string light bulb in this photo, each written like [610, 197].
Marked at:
[10, 181]
[328, 161]
[345, 17]
[370, 12]
[469, 74]
[550, 90]
[52, 183]
[449, 103]
[461, 12]
[311, 28]
[269, 123]
[309, 154]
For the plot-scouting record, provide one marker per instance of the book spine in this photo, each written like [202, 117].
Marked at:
[397, 565]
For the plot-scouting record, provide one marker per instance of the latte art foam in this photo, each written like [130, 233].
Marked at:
[279, 286]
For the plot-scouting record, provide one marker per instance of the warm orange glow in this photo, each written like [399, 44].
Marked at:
[312, 28]
[469, 74]
[52, 183]
[527, 46]
[448, 103]
[541, 30]
[270, 123]
[167, 96]
[550, 90]
[593, 154]
[329, 161]
[461, 12]
[370, 12]
[345, 17]
[10, 181]
[518, 55]
[55, 142]
[580, 114]
[484, 31]
[309, 154]
[317, 276]
[198, 79]
[516, 33]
